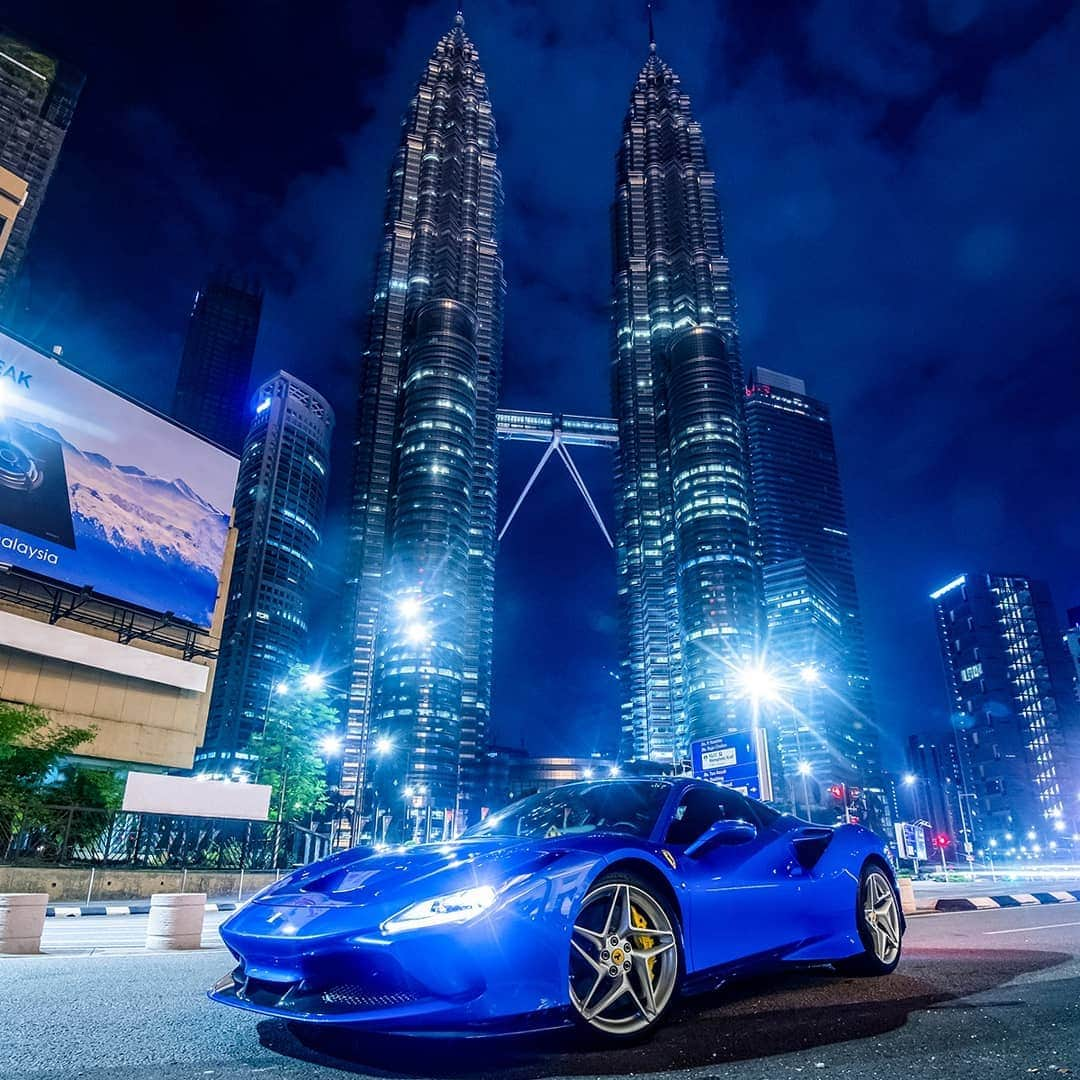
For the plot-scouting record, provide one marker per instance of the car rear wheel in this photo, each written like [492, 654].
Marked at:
[879, 922]
[624, 958]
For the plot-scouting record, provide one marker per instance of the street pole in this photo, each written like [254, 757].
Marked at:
[944, 866]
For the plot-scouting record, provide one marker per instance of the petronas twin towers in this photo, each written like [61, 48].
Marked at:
[422, 533]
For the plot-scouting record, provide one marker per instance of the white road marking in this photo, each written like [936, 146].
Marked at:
[1026, 929]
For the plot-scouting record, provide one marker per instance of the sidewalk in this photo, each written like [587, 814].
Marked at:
[135, 907]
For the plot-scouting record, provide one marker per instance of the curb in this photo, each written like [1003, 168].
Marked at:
[1008, 900]
[138, 908]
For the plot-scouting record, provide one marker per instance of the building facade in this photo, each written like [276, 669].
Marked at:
[215, 368]
[804, 632]
[421, 544]
[936, 789]
[799, 515]
[38, 94]
[1010, 688]
[688, 606]
[278, 516]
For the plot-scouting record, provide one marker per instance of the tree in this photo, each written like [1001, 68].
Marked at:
[98, 789]
[31, 747]
[291, 750]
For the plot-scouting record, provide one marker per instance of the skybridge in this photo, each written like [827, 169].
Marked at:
[559, 431]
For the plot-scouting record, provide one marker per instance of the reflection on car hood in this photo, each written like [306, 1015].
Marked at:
[362, 875]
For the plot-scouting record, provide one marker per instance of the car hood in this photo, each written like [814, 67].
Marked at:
[363, 875]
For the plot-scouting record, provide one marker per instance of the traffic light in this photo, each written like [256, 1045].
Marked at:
[837, 791]
[941, 841]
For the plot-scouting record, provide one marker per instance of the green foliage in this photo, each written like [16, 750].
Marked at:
[289, 751]
[97, 789]
[31, 746]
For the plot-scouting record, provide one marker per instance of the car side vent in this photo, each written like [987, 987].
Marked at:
[810, 845]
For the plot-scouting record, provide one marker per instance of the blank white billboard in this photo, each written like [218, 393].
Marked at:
[155, 793]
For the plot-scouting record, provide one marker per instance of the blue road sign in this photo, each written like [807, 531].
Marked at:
[730, 760]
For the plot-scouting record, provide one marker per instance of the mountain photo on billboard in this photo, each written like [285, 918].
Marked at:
[33, 484]
[149, 540]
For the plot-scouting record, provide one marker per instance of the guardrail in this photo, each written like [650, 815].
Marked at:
[77, 836]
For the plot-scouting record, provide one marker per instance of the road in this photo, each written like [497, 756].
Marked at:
[989, 994]
[110, 934]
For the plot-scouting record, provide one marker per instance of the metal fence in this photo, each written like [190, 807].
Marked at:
[79, 836]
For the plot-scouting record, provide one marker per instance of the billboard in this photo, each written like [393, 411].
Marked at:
[154, 793]
[98, 491]
[730, 760]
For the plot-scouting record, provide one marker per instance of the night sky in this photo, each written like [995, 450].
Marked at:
[901, 189]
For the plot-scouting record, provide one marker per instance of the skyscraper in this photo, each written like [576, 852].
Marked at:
[1010, 689]
[799, 515]
[804, 631]
[421, 546]
[686, 582]
[211, 389]
[278, 515]
[38, 94]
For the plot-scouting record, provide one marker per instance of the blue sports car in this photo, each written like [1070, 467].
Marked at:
[594, 904]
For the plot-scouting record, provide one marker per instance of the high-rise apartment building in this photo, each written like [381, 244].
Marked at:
[1010, 689]
[804, 632]
[687, 595]
[421, 545]
[936, 790]
[1071, 638]
[278, 515]
[215, 368]
[799, 515]
[38, 94]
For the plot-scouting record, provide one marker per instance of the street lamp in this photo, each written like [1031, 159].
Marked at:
[759, 684]
[418, 633]
[810, 675]
[805, 769]
[409, 608]
[313, 681]
[614, 770]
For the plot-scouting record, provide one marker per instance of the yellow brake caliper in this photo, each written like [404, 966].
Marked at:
[643, 941]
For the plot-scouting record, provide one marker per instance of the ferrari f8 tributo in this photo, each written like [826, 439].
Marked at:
[594, 904]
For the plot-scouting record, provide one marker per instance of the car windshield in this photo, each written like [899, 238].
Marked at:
[622, 806]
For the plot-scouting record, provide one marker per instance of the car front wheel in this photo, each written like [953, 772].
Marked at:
[880, 926]
[624, 958]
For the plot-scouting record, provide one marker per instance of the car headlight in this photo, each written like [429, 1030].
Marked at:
[455, 907]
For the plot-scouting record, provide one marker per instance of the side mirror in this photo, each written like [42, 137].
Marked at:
[722, 832]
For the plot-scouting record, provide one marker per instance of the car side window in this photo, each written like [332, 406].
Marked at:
[699, 808]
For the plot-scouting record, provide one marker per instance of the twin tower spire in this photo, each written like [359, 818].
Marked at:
[421, 547]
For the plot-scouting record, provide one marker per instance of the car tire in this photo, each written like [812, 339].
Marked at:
[880, 924]
[626, 935]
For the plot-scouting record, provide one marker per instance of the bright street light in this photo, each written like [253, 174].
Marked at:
[384, 744]
[614, 770]
[587, 774]
[409, 607]
[805, 768]
[418, 633]
[281, 688]
[330, 745]
[313, 681]
[909, 779]
[810, 675]
[758, 684]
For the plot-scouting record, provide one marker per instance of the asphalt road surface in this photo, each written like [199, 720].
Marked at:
[987, 995]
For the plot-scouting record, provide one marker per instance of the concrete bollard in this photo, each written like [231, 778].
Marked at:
[176, 921]
[907, 895]
[22, 918]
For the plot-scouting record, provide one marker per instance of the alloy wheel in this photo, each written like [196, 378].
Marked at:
[624, 959]
[882, 917]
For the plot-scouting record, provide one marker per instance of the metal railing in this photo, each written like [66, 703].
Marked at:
[74, 836]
